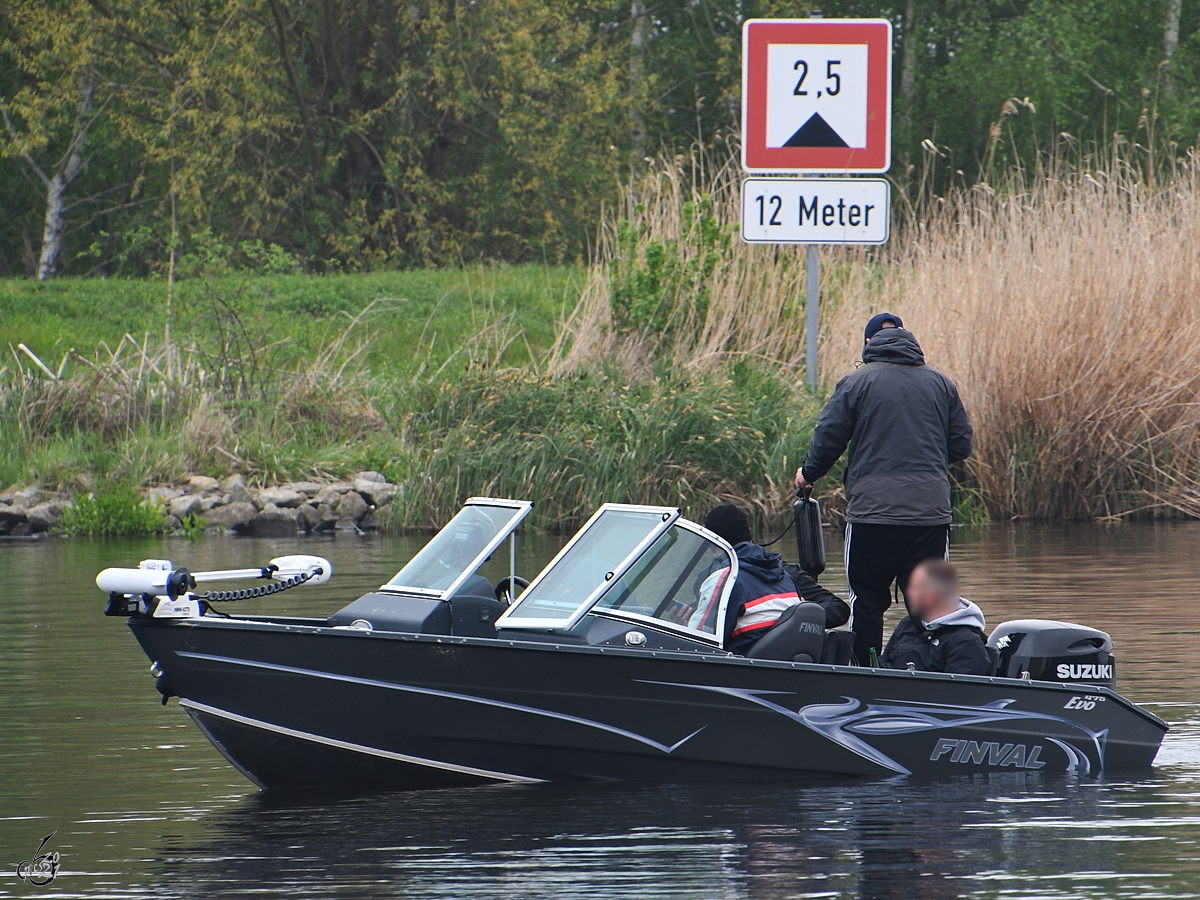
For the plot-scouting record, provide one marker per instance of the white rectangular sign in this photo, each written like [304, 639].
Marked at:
[816, 210]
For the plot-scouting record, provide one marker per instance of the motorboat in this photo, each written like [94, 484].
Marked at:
[608, 665]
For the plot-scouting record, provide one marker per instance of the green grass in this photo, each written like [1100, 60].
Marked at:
[443, 401]
[437, 310]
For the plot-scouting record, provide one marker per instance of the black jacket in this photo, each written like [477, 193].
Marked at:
[766, 586]
[958, 646]
[837, 611]
[904, 424]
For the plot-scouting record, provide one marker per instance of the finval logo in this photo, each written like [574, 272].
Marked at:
[43, 868]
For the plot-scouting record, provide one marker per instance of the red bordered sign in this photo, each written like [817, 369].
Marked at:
[817, 95]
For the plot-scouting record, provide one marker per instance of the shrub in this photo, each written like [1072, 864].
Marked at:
[112, 511]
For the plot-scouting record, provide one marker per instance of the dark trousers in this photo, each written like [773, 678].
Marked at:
[877, 555]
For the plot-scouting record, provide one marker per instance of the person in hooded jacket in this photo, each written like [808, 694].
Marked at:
[943, 632]
[764, 587]
[904, 424]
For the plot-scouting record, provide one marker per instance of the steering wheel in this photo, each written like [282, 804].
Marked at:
[504, 591]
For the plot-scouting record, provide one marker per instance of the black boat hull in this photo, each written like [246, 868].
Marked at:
[299, 705]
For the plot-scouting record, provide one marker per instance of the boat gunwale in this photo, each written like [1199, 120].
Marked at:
[706, 655]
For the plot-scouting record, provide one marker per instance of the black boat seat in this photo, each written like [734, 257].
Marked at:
[798, 636]
[475, 609]
[838, 649]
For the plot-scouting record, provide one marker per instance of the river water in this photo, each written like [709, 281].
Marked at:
[141, 804]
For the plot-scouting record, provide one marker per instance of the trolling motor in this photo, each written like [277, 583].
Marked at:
[159, 590]
[810, 540]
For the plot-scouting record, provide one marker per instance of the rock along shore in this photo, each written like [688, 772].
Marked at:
[302, 507]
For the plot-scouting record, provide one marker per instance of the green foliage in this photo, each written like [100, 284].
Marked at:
[573, 443]
[655, 278]
[192, 526]
[114, 510]
[359, 135]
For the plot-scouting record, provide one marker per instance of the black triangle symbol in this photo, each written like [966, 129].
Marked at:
[816, 132]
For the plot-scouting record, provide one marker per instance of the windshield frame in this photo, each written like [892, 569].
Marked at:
[717, 639]
[522, 508]
[667, 517]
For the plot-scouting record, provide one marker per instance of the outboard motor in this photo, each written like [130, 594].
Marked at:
[1054, 651]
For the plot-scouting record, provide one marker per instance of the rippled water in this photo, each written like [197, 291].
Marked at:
[143, 806]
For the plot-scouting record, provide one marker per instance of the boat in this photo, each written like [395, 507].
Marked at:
[608, 665]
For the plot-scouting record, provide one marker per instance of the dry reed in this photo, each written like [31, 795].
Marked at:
[1065, 305]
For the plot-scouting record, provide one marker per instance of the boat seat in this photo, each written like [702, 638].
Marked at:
[798, 635]
[838, 649]
[474, 608]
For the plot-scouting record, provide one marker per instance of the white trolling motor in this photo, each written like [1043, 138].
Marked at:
[159, 590]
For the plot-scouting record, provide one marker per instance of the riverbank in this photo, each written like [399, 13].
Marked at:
[671, 371]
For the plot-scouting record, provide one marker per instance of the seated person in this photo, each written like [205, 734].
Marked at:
[942, 632]
[764, 588]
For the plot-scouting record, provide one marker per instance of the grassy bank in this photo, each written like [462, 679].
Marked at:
[440, 380]
[669, 372]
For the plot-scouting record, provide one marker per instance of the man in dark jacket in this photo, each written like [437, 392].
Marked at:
[904, 424]
[942, 632]
[764, 588]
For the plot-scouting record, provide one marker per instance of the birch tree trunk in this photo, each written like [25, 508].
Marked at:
[908, 75]
[1171, 40]
[58, 185]
[637, 67]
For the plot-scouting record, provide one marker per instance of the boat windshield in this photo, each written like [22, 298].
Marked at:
[605, 547]
[461, 547]
[681, 580]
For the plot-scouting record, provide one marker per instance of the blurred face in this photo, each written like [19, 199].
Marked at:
[922, 598]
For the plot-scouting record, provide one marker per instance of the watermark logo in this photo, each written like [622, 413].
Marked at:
[43, 868]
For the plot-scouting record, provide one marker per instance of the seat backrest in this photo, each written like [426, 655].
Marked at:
[798, 636]
[839, 649]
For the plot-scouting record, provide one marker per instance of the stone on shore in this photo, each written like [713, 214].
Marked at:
[188, 504]
[238, 493]
[308, 488]
[236, 516]
[203, 483]
[331, 493]
[281, 497]
[162, 495]
[275, 521]
[352, 507]
[380, 493]
[10, 517]
[308, 517]
[44, 516]
[232, 481]
[369, 476]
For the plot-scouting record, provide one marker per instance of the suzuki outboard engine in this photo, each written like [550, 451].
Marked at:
[1054, 651]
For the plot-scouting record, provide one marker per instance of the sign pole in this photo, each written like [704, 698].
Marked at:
[812, 309]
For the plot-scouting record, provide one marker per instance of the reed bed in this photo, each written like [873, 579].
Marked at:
[1066, 305]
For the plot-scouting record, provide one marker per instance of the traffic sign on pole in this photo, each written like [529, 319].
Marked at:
[816, 95]
[815, 210]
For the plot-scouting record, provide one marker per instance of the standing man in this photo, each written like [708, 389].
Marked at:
[905, 425]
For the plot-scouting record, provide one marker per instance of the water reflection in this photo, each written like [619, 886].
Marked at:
[144, 806]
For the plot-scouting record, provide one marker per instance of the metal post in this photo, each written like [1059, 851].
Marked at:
[812, 308]
[512, 567]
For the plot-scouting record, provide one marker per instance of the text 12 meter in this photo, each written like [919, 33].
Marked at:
[815, 210]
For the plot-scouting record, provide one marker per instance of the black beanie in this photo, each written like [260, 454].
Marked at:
[730, 523]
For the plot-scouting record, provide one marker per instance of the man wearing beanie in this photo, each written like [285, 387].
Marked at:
[765, 586]
[904, 425]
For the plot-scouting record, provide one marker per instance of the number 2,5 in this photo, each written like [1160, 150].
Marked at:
[776, 206]
[832, 88]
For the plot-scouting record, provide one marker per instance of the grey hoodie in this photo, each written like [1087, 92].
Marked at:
[904, 425]
[967, 614]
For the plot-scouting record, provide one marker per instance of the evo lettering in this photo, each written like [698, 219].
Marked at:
[988, 753]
